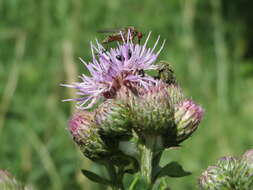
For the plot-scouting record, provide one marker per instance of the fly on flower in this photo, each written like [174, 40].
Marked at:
[122, 34]
[166, 72]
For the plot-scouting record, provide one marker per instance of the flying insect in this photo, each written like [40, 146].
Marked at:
[121, 34]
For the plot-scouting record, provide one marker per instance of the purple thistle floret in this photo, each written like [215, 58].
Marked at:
[79, 126]
[190, 112]
[187, 118]
[248, 156]
[110, 70]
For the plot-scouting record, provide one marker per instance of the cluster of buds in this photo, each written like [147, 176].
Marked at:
[8, 182]
[229, 173]
[131, 106]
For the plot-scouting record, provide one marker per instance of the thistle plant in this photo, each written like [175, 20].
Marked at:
[229, 173]
[8, 182]
[126, 118]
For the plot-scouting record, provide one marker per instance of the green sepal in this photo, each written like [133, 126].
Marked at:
[173, 169]
[96, 178]
[133, 166]
[157, 158]
[155, 164]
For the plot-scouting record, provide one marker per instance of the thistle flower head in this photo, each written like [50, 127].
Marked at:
[248, 157]
[228, 173]
[96, 142]
[212, 178]
[7, 181]
[4, 175]
[187, 118]
[223, 175]
[80, 125]
[112, 69]
[85, 134]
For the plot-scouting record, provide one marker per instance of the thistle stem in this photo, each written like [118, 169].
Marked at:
[117, 188]
[119, 181]
[147, 153]
[116, 177]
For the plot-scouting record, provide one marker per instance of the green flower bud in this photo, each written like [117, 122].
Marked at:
[152, 112]
[85, 133]
[246, 172]
[212, 179]
[8, 182]
[187, 118]
[113, 119]
[248, 157]
[219, 176]
[228, 173]
[95, 145]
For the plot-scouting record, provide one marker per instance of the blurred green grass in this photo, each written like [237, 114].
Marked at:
[209, 44]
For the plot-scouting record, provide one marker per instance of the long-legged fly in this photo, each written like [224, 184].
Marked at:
[121, 34]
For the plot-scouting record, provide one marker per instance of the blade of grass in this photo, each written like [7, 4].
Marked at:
[45, 158]
[188, 38]
[221, 55]
[13, 77]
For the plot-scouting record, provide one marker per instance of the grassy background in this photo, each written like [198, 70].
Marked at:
[209, 43]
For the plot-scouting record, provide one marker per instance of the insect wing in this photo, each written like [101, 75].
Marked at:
[111, 30]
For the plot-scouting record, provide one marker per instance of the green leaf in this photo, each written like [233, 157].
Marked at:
[173, 169]
[138, 183]
[133, 166]
[155, 163]
[161, 185]
[157, 159]
[96, 178]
